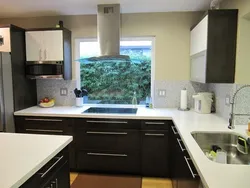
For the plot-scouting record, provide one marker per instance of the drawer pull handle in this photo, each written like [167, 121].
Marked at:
[45, 130]
[53, 120]
[108, 154]
[107, 133]
[149, 134]
[173, 129]
[188, 159]
[154, 123]
[112, 122]
[52, 166]
[179, 142]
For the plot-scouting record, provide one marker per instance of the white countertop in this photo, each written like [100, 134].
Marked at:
[213, 175]
[22, 155]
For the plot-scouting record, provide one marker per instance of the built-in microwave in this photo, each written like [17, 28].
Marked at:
[44, 70]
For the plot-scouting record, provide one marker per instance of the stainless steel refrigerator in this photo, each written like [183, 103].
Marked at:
[16, 91]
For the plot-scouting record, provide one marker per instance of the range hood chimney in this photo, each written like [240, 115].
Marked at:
[108, 31]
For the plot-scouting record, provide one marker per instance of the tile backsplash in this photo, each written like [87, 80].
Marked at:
[242, 101]
[51, 89]
[173, 90]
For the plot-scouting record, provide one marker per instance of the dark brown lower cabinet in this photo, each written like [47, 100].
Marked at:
[109, 162]
[155, 153]
[150, 148]
[183, 172]
[49, 126]
[54, 174]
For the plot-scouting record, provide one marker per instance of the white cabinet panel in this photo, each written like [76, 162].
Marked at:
[198, 67]
[199, 35]
[34, 45]
[53, 45]
[5, 45]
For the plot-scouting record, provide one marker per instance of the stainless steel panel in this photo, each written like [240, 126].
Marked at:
[2, 120]
[8, 92]
[56, 77]
[44, 62]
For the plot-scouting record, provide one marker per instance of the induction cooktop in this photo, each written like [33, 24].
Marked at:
[111, 110]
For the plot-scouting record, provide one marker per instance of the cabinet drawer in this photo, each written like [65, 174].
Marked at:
[48, 171]
[155, 154]
[102, 139]
[107, 124]
[155, 125]
[109, 162]
[42, 125]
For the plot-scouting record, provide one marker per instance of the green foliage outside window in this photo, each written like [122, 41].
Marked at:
[115, 82]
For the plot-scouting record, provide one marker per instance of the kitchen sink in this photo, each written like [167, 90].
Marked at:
[226, 141]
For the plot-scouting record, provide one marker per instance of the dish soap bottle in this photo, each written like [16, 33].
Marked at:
[134, 100]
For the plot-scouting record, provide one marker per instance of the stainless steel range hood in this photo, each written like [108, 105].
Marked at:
[108, 26]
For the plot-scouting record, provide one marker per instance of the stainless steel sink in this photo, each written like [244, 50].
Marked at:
[226, 141]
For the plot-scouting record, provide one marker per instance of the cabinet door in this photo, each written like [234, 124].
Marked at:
[34, 45]
[155, 153]
[199, 36]
[53, 45]
[62, 179]
[198, 67]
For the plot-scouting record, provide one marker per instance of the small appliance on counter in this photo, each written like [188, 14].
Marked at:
[203, 102]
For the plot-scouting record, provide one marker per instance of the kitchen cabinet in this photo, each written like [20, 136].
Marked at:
[44, 45]
[49, 47]
[54, 174]
[155, 149]
[183, 172]
[213, 47]
[115, 141]
[50, 126]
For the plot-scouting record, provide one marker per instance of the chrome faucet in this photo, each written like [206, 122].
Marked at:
[232, 114]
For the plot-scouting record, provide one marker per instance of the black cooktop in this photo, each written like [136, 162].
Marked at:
[111, 110]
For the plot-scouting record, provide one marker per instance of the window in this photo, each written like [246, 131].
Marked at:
[115, 82]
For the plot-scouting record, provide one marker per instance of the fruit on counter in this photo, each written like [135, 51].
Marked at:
[46, 102]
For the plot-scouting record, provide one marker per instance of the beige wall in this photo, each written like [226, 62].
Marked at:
[172, 32]
[243, 40]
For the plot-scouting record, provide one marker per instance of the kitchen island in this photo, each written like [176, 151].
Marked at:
[212, 175]
[25, 159]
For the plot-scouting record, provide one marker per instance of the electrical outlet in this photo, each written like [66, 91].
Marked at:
[161, 92]
[63, 91]
[227, 100]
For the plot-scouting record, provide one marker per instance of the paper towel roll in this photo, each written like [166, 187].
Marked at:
[183, 104]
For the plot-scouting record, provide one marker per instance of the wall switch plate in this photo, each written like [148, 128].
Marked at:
[63, 91]
[162, 93]
[227, 100]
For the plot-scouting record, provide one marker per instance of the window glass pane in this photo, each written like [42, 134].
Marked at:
[115, 82]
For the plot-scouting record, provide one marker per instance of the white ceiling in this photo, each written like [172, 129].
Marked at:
[23, 8]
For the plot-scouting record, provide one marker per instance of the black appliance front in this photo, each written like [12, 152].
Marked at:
[35, 71]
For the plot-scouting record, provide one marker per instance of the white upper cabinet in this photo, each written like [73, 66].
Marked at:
[34, 45]
[199, 36]
[53, 45]
[44, 45]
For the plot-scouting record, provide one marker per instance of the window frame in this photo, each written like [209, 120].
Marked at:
[77, 56]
